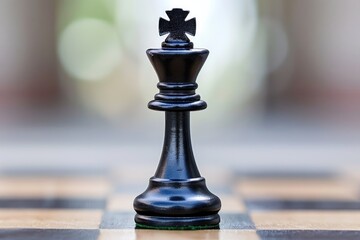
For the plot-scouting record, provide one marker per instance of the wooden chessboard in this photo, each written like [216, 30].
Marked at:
[81, 204]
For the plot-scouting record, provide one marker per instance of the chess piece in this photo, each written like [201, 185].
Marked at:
[177, 196]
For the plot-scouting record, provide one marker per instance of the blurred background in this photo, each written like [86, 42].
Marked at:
[282, 83]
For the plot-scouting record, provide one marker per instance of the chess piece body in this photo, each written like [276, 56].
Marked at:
[177, 196]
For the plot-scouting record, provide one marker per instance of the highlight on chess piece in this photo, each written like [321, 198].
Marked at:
[177, 196]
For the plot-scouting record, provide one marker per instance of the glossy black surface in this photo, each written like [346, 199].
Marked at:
[177, 71]
[177, 196]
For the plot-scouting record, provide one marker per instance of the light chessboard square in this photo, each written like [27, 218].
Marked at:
[310, 189]
[307, 220]
[56, 187]
[49, 219]
[177, 235]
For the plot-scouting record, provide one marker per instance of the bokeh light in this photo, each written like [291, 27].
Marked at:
[89, 49]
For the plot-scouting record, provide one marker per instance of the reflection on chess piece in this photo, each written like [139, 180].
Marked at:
[177, 196]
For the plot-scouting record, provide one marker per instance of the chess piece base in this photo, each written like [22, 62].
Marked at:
[180, 204]
[177, 223]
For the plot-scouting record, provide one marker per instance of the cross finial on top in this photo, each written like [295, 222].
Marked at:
[177, 28]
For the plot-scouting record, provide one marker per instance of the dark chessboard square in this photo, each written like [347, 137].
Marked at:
[282, 204]
[307, 234]
[47, 234]
[118, 220]
[53, 203]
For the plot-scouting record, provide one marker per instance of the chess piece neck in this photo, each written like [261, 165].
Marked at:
[177, 45]
[177, 161]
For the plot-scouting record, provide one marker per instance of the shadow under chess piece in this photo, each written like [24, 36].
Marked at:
[177, 196]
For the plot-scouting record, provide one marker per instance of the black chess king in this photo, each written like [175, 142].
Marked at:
[177, 196]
